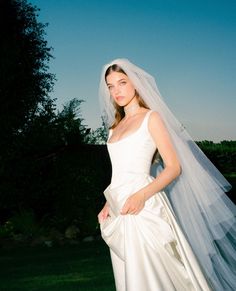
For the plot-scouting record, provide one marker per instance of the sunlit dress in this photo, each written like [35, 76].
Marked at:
[148, 251]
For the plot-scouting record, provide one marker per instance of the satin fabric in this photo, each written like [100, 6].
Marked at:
[148, 251]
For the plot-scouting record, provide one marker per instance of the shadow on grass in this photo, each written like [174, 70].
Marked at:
[86, 266]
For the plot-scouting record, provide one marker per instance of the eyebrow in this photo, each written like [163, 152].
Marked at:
[118, 81]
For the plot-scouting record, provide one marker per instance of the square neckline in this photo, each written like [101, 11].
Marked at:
[133, 133]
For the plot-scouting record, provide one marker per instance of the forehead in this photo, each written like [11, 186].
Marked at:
[115, 77]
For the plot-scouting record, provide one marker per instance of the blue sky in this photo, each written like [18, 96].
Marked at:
[188, 46]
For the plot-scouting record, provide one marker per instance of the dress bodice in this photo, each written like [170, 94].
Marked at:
[132, 154]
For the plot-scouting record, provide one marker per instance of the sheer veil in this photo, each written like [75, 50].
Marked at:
[205, 213]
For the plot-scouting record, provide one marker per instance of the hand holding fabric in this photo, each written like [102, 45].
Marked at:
[104, 213]
[134, 204]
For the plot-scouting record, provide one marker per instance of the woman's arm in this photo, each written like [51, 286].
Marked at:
[172, 167]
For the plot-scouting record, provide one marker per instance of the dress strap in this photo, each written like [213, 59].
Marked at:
[110, 133]
[146, 118]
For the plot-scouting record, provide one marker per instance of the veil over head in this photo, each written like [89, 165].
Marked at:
[205, 213]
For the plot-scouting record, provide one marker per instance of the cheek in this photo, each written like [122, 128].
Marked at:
[131, 90]
[112, 94]
[111, 91]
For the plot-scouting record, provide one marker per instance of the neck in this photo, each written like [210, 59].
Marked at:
[131, 109]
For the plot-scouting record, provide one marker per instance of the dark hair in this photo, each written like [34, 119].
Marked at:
[119, 114]
[114, 68]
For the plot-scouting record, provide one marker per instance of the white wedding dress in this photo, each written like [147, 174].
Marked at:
[149, 251]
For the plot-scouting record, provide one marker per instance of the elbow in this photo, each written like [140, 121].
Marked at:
[179, 170]
[176, 169]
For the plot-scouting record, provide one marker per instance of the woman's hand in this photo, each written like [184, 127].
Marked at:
[134, 204]
[104, 213]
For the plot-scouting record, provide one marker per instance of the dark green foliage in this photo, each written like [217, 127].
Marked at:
[25, 226]
[6, 230]
[57, 176]
[44, 170]
[99, 135]
[69, 123]
[80, 175]
[62, 188]
[25, 82]
[223, 154]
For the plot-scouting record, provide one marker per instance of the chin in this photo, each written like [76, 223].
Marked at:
[121, 104]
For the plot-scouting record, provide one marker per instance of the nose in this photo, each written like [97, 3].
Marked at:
[116, 90]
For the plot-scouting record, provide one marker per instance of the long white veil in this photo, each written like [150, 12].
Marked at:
[205, 213]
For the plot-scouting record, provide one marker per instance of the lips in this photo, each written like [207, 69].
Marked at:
[119, 98]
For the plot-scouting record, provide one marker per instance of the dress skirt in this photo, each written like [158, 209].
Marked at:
[149, 251]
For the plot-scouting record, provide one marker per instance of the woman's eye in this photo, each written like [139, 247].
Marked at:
[123, 83]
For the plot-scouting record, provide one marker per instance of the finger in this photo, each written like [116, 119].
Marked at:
[104, 216]
[130, 210]
[125, 209]
[133, 212]
[99, 216]
[138, 210]
[106, 213]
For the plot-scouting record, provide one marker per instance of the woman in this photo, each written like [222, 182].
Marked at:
[142, 216]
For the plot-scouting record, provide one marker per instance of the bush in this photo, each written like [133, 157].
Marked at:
[24, 225]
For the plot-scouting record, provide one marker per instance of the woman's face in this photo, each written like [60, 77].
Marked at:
[120, 87]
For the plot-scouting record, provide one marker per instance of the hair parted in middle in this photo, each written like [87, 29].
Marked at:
[119, 114]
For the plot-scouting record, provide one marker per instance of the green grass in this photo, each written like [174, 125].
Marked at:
[85, 266]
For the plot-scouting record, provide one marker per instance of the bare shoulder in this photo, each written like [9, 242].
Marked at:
[162, 139]
[155, 119]
[157, 128]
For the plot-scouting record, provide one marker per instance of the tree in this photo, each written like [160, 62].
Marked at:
[25, 83]
[38, 169]
[99, 135]
[70, 123]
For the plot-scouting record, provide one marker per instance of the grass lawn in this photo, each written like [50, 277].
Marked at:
[85, 266]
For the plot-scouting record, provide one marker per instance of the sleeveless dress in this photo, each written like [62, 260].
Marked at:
[148, 251]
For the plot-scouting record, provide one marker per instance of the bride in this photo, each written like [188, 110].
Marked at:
[175, 231]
